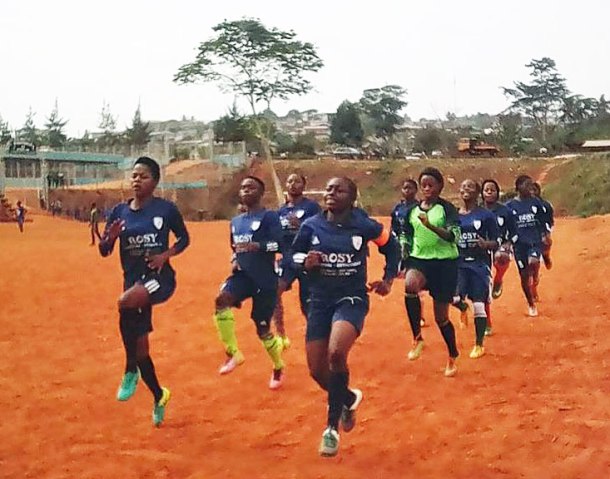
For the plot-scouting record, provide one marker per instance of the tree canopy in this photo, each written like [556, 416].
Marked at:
[346, 126]
[56, 137]
[383, 106]
[250, 60]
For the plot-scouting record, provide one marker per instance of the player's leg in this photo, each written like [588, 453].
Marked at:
[347, 324]
[415, 281]
[234, 290]
[278, 314]
[546, 251]
[501, 264]
[534, 268]
[442, 281]
[263, 305]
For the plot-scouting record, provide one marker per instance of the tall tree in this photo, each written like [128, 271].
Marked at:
[5, 132]
[543, 98]
[29, 132]
[56, 137]
[108, 126]
[257, 63]
[346, 126]
[138, 134]
[509, 131]
[577, 109]
[383, 105]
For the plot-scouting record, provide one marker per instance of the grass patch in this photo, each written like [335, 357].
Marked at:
[580, 187]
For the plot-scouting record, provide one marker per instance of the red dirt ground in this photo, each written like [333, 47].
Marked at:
[536, 406]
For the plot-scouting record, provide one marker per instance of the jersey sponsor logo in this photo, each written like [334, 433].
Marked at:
[300, 213]
[338, 258]
[255, 225]
[527, 218]
[147, 239]
[476, 224]
[245, 238]
[158, 222]
[357, 242]
[315, 241]
[501, 220]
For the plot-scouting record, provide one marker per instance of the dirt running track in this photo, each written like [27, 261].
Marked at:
[537, 406]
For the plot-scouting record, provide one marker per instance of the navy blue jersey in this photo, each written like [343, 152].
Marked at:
[530, 219]
[506, 222]
[262, 227]
[20, 213]
[304, 209]
[145, 233]
[478, 223]
[401, 226]
[549, 214]
[344, 249]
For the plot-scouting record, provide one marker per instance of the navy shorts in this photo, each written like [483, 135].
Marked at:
[160, 287]
[323, 313]
[523, 253]
[289, 274]
[441, 276]
[242, 287]
[473, 283]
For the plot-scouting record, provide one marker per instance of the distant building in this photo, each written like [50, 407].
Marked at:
[596, 145]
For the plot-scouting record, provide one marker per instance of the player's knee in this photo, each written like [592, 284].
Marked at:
[414, 282]
[223, 301]
[337, 359]
[501, 258]
[263, 329]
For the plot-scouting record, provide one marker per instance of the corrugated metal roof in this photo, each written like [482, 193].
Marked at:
[596, 144]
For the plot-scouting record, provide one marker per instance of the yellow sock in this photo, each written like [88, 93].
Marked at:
[225, 325]
[274, 347]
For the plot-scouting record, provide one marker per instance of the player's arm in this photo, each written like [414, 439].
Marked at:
[388, 246]
[176, 226]
[302, 255]
[272, 241]
[112, 231]
[451, 231]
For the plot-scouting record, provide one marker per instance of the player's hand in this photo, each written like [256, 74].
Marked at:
[251, 247]
[115, 228]
[235, 266]
[423, 217]
[546, 240]
[157, 261]
[382, 287]
[294, 221]
[402, 274]
[312, 260]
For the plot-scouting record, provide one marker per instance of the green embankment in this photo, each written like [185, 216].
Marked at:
[580, 187]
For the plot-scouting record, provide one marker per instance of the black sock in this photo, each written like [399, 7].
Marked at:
[127, 324]
[147, 371]
[350, 397]
[337, 392]
[413, 305]
[479, 326]
[448, 333]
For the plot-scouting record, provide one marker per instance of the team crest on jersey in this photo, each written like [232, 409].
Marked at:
[500, 220]
[357, 242]
[158, 222]
[315, 240]
[476, 224]
[535, 209]
[299, 213]
[255, 225]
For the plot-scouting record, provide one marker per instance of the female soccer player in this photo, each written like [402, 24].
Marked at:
[296, 210]
[404, 232]
[433, 263]
[333, 248]
[550, 222]
[94, 218]
[256, 237]
[20, 215]
[532, 229]
[508, 233]
[479, 237]
[142, 225]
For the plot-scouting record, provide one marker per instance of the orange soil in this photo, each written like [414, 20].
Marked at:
[535, 406]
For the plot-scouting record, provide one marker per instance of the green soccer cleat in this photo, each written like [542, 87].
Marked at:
[348, 414]
[128, 385]
[159, 409]
[329, 446]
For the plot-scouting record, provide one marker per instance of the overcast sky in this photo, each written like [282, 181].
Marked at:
[450, 55]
